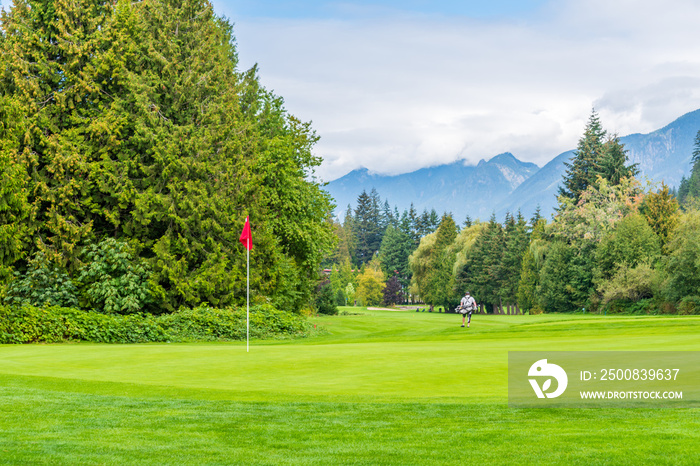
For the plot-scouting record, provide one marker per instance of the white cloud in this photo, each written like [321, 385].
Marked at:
[398, 93]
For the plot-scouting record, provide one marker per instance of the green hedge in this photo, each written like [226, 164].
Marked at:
[28, 324]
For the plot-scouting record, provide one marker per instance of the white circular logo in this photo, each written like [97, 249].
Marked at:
[542, 369]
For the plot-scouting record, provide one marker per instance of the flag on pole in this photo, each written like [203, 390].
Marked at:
[246, 239]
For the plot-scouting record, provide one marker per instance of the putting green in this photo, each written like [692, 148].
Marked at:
[375, 356]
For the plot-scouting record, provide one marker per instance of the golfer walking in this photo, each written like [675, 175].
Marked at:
[466, 307]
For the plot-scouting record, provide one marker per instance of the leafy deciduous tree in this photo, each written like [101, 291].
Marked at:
[682, 264]
[632, 242]
[435, 280]
[661, 211]
[371, 284]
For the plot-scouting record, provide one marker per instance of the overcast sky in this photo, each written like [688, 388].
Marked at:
[397, 85]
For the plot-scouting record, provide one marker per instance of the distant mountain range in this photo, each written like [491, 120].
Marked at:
[506, 184]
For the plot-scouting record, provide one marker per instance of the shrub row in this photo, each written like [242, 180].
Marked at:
[28, 324]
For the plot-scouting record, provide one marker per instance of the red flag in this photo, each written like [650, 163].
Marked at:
[246, 239]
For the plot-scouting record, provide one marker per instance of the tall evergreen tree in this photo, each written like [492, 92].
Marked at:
[393, 254]
[536, 217]
[138, 126]
[388, 216]
[408, 224]
[439, 284]
[367, 226]
[683, 189]
[516, 240]
[15, 234]
[481, 272]
[558, 279]
[595, 157]
[583, 168]
[51, 82]
[350, 233]
[427, 222]
[533, 259]
[613, 165]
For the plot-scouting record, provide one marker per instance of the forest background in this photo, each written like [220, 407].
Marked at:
[614, 244]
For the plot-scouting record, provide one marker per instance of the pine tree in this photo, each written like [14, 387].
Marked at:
[367, 226]
[394, 252]
[612, 165]
[409, 226]
[516, 241]
[480, 274]
[536, 217]
[350, 233]
[581, 172]
[439, 283]
[388, 216]
[528, 296]
[595, 158]
[434, 220]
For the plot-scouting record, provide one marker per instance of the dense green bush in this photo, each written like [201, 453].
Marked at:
[114, 280]
[324, 301]
[29, 324]
[623, 306]
[205, 323]
[629, 284]
[43, 284]
[689, 305]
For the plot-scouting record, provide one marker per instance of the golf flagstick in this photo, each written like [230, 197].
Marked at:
[247, 302]
[247, 240]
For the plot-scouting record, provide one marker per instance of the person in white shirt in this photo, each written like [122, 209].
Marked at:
[466, 307]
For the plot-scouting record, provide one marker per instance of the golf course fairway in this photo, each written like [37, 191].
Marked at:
[372, 387]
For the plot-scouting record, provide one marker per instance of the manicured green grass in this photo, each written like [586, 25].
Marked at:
[384, 387]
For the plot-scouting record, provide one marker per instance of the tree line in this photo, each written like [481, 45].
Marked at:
[370, 262]
[132, 148]
[613, 245]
